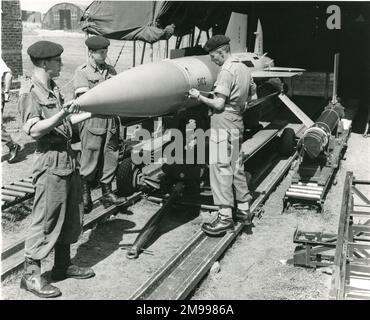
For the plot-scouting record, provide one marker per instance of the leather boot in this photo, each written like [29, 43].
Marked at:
[86, 196]
[109, 198]
[244, 216]
[13, 152]
[33, 281]
[218, 227]
[63, 267]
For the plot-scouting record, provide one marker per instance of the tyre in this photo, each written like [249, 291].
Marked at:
[287, 142]
[126, 178]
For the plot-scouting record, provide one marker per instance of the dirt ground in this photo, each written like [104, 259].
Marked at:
[256, 266]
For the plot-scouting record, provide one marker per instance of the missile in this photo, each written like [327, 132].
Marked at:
[152, 89]
[317, 136]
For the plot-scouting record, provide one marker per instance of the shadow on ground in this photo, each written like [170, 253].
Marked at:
[103, 241]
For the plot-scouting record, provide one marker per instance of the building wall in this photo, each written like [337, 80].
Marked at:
[11, 37]
[51, 19]
[31, 16]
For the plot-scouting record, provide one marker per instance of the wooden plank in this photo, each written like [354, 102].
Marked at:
[260, 139]
[296, 110]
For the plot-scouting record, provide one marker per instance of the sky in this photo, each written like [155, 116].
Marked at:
[44, 5]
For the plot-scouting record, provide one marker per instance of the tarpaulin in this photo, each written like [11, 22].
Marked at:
[151, 21]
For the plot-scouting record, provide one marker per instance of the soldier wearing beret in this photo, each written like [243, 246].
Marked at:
[99, 137]
[57, 208]
[227, 174]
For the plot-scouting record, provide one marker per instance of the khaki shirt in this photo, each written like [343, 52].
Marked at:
[86, 77]
[234, 81]
[36, 103]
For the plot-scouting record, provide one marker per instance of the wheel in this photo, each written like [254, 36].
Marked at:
[287, 142]
[127, 174]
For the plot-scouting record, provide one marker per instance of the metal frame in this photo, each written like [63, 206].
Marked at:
[349, 243]
[348, 250]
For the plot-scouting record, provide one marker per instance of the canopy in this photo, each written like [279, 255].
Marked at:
[151, 21]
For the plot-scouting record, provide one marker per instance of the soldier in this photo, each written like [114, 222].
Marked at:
[99, 137]
[6, 80]
[57, 208]
[231, 92]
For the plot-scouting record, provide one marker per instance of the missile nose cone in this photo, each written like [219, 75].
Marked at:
[134, 91]
[152, 89]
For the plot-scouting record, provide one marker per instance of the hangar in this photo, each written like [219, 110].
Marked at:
[63, 16]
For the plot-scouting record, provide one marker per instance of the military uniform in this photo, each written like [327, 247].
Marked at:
[233, 81]
[57, 209]
[99, 137]
[227, 176]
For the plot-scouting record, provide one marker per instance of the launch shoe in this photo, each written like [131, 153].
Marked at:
[218, 227]
[72, 271]
[13, 152]
[244, 216]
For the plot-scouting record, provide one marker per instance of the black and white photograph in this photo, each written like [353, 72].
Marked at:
[204, 152]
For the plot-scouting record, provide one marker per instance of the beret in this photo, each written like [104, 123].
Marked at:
[215, 42]
[97, 42]
[44, 49]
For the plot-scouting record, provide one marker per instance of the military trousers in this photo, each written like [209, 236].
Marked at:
[99, 154]
[57, 213]
[227, 176]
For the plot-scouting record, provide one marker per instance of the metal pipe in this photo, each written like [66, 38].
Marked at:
[302, 196]
[21, 189]
[143, 53]
[335, 81]
[134, 54]
[297, 186]
[24, 184]
[311, 184]
[304, 191]
[7, 198]
[149, 229]
[13, 193]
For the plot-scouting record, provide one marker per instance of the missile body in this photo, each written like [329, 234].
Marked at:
[152, 89]
[317, 137]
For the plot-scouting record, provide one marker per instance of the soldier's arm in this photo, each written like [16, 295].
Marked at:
[41, 127]
[222, 91]
[217, 103]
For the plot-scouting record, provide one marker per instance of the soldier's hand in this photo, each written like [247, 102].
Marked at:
[71, 107]
[194, 93]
